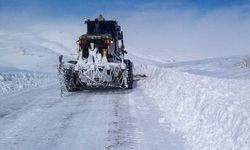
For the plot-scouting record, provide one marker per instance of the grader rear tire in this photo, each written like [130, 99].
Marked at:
[129, 69]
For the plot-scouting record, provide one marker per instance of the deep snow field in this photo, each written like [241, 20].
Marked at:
[198, 105]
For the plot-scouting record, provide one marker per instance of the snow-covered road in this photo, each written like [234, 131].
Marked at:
[110, 119]
[168, 109]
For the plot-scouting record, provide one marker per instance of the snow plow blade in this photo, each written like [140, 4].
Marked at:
[75, 76]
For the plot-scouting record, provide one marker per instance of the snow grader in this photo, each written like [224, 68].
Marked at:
[100, 62]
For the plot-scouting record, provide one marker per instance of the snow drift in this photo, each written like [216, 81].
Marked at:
[211, 113]
[15, 80]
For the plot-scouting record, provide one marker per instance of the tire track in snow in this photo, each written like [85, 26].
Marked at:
[123, 133]
[37, 124]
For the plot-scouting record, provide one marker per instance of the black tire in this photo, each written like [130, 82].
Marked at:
[70, 80]
[129, 69]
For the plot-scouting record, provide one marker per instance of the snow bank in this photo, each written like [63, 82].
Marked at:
[213, 114]
[11, 81]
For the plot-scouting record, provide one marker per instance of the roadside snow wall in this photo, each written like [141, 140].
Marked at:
[212, 114]
[16, 81]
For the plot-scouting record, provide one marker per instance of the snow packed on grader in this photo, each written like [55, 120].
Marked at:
[100, 61]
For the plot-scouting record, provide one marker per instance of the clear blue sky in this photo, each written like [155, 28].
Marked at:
[72, 8]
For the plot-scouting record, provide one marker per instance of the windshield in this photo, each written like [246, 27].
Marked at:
[101, 27]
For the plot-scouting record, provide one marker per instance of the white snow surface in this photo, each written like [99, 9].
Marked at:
[198, 105]
[32, 51]
[211, 113]
[236, 67]
[169, 109]
[13, 80]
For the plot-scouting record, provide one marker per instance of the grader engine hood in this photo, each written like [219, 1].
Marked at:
[100, 41]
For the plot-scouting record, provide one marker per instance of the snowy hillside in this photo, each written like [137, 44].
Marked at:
[29, 59]
[31, 51]
[236, 67]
